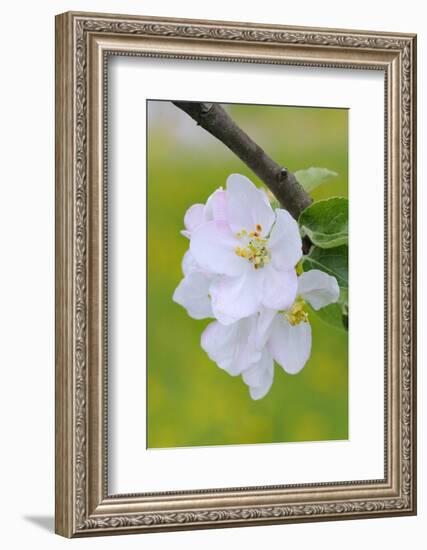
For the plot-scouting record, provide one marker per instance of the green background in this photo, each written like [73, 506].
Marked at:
[190, 400]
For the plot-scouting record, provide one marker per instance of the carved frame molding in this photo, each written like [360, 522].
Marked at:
[83, 44]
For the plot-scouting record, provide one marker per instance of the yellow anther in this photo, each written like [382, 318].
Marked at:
[241, 234]
[243, 252]
[256, 250]
[297, 314]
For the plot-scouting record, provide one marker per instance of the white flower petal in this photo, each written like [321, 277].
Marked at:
[247, 206]
[217, 341]
[258, 392]
[189, 264]
[264, 326]
[253, 376]
[280, 288]
[290, 345]
[318, 288]
[215, 209]
[231, 347]
[234, 298]
[259, 377]
[285, 242]
[213, 248]
[223, 318]
[194, 217]
[192, 293]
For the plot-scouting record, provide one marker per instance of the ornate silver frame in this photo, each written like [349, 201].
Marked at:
[83, 505]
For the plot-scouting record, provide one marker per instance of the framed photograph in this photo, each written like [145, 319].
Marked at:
[235, 274]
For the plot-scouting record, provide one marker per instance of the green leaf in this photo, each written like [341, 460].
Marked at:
[325, 222]
[331, 314]
[336, 314]
[343, 300]
[312, 177]
[333, 261]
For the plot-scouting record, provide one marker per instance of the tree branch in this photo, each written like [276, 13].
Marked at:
[282, 183]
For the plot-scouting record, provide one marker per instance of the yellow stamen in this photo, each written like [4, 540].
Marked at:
[256, 250]
[297, 314]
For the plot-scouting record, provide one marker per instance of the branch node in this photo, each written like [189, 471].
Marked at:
[284, 173]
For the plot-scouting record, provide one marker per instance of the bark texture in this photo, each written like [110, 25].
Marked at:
[282, 183]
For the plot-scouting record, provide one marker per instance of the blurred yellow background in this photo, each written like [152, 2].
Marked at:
[190, 400]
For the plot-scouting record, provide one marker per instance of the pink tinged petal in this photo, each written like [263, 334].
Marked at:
[189, 264]
[215, 209]
[280, 288]
[290, 345]
[194, 216]
[247, 206]
[259, 377]
[231, 347]
[213, 248]
[318, 288]
[234, 298]
[285, 242]
[193, 294]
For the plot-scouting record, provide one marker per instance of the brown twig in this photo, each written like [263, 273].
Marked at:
[282, 183]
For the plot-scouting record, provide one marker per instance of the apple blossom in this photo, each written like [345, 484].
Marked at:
[289, 335]
[250, 249]
[249, 346]
[240, 269]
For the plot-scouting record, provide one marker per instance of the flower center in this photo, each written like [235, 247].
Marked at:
[255, 249]
[296, 314]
